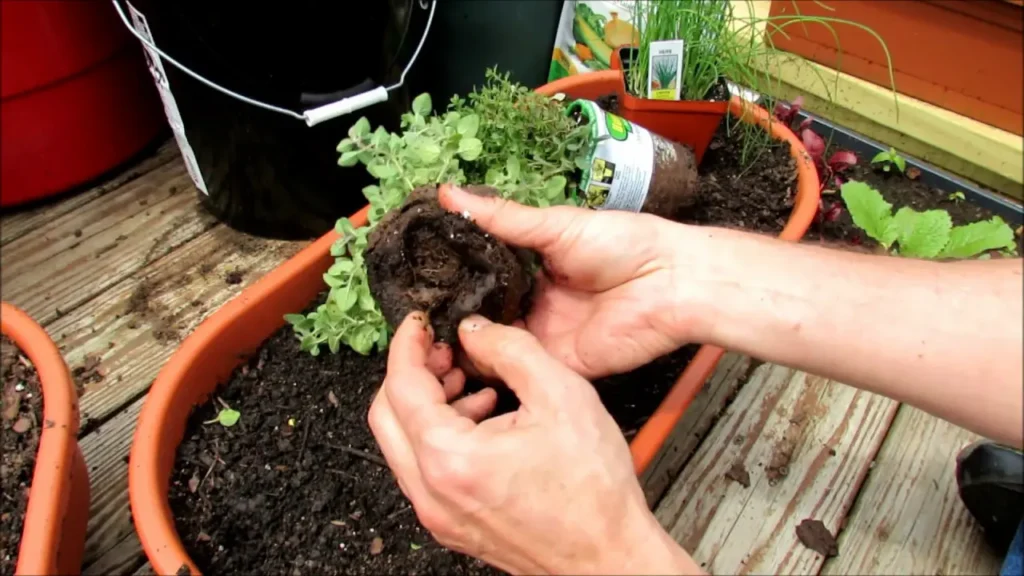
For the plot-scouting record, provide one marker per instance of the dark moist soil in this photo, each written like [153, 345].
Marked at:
[814, 535]
[899, 190]
[422, 257]
[313, 495]
[22, 426]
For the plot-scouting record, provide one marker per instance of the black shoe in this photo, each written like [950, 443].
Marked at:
[991, 482]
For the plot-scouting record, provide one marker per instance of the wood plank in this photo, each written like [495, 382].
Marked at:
[69, 260]
[106, 453]
[806, 443]
[732, 372]
[908, 518]
[18, 223]
[135, 325]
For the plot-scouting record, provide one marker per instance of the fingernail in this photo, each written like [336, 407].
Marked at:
[473, 323]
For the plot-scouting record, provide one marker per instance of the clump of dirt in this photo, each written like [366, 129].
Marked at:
[738, 473]
[19, 435]
[423, 257]
[234, 277]
[141, 305]
[814, 535]
[674, 182]
[89, 372]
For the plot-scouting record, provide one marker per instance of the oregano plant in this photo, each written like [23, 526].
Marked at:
[929, 234]
[504, 135]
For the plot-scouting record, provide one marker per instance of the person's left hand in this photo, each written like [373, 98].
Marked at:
[548, 488]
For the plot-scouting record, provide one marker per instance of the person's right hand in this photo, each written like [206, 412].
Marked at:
[610, 298]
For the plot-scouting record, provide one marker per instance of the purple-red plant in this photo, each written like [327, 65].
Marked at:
[829, 170]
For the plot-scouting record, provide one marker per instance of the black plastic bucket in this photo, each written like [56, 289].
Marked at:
[238, 83]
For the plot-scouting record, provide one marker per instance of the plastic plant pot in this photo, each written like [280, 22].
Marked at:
[53, 535]
[236, 331]
[690, 122]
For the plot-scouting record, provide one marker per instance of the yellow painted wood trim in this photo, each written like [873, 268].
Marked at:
[961, 145]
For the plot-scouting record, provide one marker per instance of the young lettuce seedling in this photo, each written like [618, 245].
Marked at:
[227, 417]
[929, 234]
[889, 158]
[956, 197]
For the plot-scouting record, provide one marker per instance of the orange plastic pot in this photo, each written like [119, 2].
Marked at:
[690, 122]
[53, 535]
[210, 354]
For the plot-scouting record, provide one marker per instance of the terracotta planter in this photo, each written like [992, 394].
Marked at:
[210, 354]
[53, 536]
[690, 122]
[961, 55]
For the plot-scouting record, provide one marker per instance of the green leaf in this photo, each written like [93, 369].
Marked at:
[366, 301]
[372, 193]
[345, 145]
[360, 129]
[381, 171]
[921, 234]
[978, 237]
[869, 211]
[470, 148]
[340, 267]
[380, 137]
[294, 319]
[345, 298]
[468, 126]
[426, 151]
[228, 417]
[349, 159]
[422, 105]
[900, 162]
[333, 281]
[414, 546]
[512, 168]
[363, 338]
[343, 227]
[882, 156]
[555, 187]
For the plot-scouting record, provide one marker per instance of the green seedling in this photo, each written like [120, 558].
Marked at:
[504, 135]
[414, 546]
[889, 158]
[929, 234]
[227, 417]
[956, 197]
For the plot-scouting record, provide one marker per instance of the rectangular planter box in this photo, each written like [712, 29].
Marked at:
[964, 56]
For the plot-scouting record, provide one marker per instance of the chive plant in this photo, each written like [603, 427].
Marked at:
[720, 44]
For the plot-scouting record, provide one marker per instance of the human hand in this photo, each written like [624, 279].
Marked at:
[548, 488]
[610, 300]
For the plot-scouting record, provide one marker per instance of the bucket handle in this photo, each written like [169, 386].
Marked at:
[313, 116]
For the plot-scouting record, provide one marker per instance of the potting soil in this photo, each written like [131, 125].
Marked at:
[298, 485]
[422, 257]
[21, 429]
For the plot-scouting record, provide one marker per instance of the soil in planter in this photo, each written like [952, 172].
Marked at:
[21, 428]
[298, 485]
[899, 190]
[423, 257]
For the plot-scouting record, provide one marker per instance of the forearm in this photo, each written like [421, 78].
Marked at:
[945, 337]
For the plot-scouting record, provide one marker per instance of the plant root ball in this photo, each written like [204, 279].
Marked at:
[674, 180]
[421, 257]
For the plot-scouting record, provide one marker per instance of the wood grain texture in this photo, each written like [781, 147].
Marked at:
[74, 257]
[21, 221]
[807, 444]
[707, 405]
[909, 518]
[135, 325]
[106, 453]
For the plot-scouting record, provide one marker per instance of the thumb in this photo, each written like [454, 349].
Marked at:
[518, 359]
[535, 228]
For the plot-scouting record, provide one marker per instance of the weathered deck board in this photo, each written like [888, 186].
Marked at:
[17, 224]
[908, 518]
[806, 443]
[731, 373]
[106, 451]
[72, 258]
[135, 325]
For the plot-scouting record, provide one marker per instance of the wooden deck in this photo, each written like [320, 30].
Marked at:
[125, 270]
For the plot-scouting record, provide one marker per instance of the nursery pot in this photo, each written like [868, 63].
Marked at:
[689, 122]
[77, 100]
[53, 535]
[258, 98]
[222, 342]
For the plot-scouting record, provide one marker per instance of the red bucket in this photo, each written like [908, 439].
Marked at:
[77, 98]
